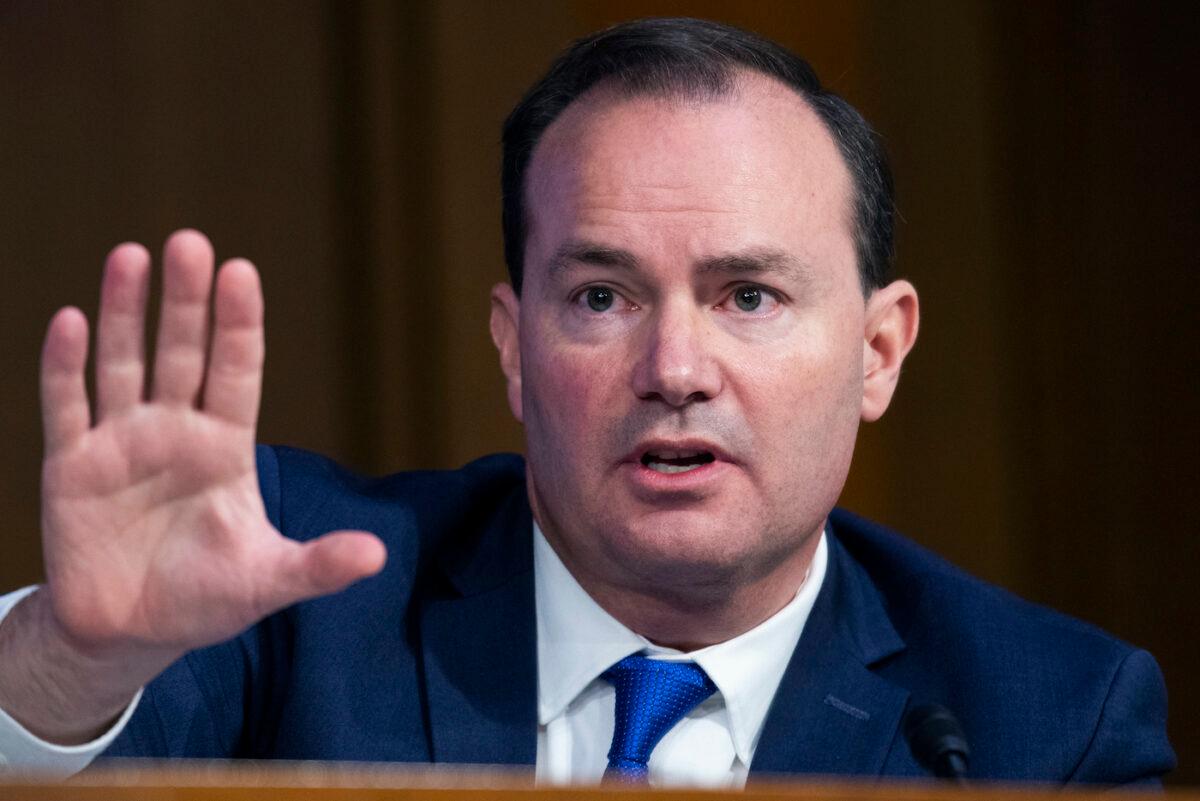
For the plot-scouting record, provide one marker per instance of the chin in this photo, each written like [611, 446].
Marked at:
[686, 549]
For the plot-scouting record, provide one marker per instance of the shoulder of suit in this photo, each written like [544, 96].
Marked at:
[313, 494]
[932, 600]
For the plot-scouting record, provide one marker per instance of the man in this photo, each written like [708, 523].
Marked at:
[700, 313]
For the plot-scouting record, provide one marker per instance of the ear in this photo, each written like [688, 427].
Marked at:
[891, 329]
[506, 334]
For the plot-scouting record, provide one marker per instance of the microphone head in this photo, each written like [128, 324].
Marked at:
[937, 740]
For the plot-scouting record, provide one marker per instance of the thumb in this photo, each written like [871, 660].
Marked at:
[325, 565]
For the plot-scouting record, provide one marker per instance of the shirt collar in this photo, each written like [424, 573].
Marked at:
[578, 640]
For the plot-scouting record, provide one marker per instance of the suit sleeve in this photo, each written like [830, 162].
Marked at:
[193, 709]
[1129, 744]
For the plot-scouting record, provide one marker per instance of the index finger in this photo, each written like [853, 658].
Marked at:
[65, 413]
[233, 384]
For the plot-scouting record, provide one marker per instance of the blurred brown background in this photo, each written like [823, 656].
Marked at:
[1044, 436]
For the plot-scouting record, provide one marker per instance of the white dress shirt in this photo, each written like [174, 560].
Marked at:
[21, 752]
[577, 641]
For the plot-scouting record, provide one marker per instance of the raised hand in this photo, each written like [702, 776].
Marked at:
[154, 533]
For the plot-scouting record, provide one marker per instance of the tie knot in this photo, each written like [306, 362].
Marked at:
[652, 696]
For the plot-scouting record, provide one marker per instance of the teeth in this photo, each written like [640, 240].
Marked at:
[661, 467]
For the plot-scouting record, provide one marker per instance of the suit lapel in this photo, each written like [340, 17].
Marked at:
[832, 714]
[479, 646]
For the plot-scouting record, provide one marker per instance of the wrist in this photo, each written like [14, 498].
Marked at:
[61, 690]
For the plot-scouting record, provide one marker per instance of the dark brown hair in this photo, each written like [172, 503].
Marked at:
[695, 58]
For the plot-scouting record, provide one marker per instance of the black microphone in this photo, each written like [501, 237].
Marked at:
[937, 741]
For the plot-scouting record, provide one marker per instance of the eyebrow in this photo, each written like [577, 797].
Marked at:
[757, 261]
[752, 261]
[576, 252]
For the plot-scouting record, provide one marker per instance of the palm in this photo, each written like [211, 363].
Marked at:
[117, 505]
[154, 530]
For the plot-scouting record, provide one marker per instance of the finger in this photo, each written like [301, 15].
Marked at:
[325, 565]
[120, 330]
[183, 323]
[65, 415]
[233, 385]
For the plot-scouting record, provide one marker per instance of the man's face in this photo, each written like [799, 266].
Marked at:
[690, 366]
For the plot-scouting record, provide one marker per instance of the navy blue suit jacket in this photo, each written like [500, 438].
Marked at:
[434, 659]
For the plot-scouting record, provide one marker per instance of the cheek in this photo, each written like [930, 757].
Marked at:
[803, 402]
[814, 370]
[571, 396]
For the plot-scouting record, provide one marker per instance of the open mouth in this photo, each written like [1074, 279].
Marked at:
[676, 461]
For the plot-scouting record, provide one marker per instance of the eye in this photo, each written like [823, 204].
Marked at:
[747, 298]
[600, 301]
[599, 298]
[752, 299]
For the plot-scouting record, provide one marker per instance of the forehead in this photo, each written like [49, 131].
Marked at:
[756, 168]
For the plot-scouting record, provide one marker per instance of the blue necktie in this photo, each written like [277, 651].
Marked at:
[652, 696]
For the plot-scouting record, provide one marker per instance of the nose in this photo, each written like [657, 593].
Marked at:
[677, 364]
